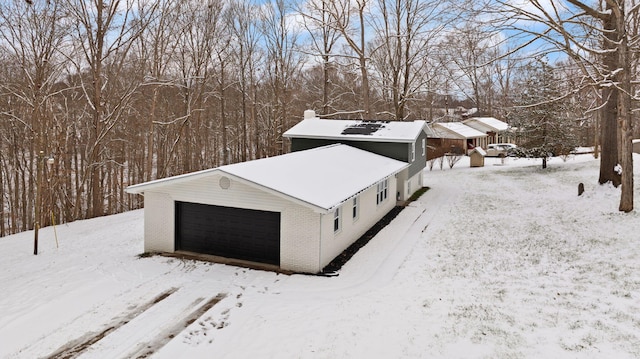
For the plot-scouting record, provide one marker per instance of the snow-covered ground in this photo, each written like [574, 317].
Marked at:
[504, 261]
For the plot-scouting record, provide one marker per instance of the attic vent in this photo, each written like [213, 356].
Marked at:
[224, 182]
[363, 128]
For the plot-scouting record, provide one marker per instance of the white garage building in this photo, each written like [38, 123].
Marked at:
[297, 211]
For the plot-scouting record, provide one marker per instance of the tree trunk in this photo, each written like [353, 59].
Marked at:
[2, 195]
[625, 116]
[325, 84]
[366, 101]
[148, 172]
[609, 114]
[223, 117]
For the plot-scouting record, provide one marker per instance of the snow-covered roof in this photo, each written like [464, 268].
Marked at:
[357, 130]
[479, 150]
[455, 130]
[322, 178]
[486, 124]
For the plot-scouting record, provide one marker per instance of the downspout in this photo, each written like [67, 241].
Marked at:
[320, 245]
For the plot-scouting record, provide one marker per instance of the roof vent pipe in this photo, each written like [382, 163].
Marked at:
[309, 114]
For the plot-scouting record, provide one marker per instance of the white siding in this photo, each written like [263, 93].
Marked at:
[334, 243]
[299, 244]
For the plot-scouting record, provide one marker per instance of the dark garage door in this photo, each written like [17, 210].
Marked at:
[228, 232]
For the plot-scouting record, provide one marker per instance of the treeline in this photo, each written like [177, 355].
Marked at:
[97, 95]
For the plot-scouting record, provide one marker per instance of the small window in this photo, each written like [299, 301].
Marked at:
[413, 152]
[424, 146]
[383, 191]
[386, 188]
[336, 220]
[355, 209]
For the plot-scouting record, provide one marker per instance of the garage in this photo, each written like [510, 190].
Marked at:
[229, 232]
[281, 211]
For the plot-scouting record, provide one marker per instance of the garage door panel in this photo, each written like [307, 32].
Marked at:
[228, 232]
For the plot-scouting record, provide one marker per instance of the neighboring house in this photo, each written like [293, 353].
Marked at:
[403, 141]
[453, 137]
[493, 127]
[636, 146]
[296, 211]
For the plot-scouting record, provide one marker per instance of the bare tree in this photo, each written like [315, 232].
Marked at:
[103, 35]
[470, 51]
[31, 37]
[317, 21]
[196, 39]
[348, 18]
[504, 68]
[568, 26]
[283, 64]
[406, 35]
[243, 17]
[154, 50]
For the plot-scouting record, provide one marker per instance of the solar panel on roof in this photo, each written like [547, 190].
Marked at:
[363, 128]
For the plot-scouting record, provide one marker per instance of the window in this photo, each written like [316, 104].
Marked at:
[424, 146]
[336, 220]
[383, 189]
[413, 152]
[355, 211]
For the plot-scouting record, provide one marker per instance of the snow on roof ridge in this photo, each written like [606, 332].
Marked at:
[461, 129]
[489, 121]
[322, 177]
[330, 164]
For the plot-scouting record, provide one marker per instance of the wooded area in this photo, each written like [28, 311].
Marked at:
[96, 95]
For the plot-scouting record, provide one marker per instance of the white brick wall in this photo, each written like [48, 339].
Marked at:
[299, 225]
[408, 186]
[370, 213]
[159, 221]
[300, 240]
[402, 178]
[416, 184]
[308, 242]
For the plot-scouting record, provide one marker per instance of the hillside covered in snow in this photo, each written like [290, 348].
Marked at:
[503, 261]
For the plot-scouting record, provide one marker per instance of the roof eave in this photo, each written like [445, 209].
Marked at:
[368, 187]
[142, 187]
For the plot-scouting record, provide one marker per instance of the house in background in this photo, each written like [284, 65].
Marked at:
[493, 127]
[402, 141]
[295, 212]
[453, 137]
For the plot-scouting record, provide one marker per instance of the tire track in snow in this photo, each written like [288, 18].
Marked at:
[144, 350]
[78, 346]
[143, 335]
[397, 246]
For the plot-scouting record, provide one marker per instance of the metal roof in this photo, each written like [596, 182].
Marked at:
[323, 177]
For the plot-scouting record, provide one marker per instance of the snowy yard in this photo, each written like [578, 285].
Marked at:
[504, 261]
